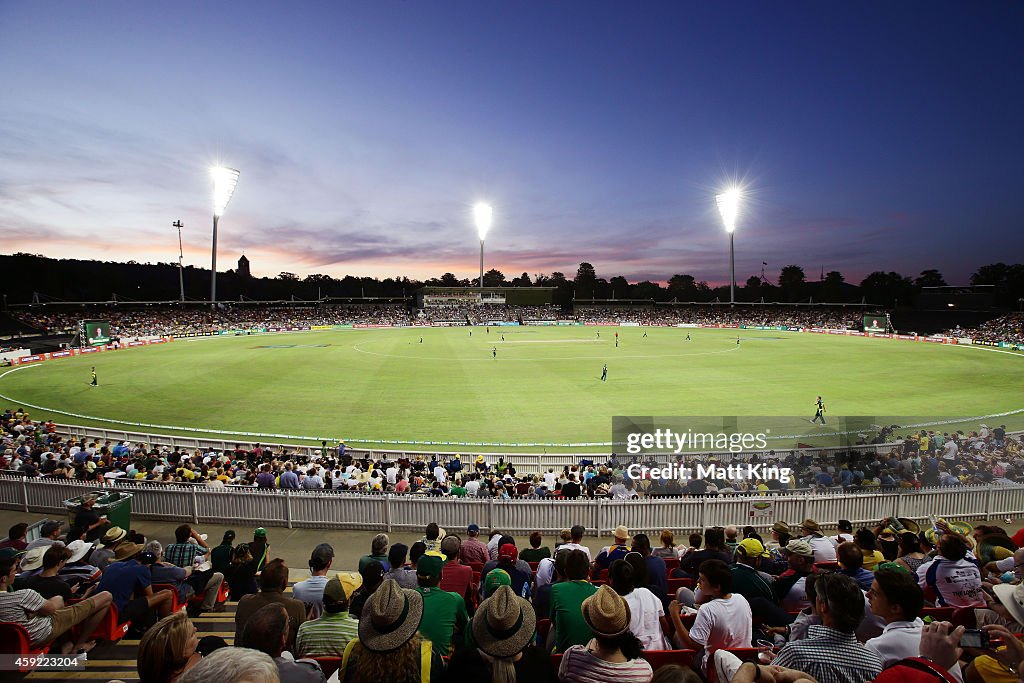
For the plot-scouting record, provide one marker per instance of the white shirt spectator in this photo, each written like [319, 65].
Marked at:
[899, 640]
[576, 546]
[472, 487]
[796, 599]
[722, 623]
[645, 612]
[391, 474]
[440, 474]
[824, 548]
[550, 480]
[955, 584]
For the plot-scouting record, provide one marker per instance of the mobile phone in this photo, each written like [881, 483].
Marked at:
[973, 637]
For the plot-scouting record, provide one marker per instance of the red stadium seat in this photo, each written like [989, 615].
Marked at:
[659, 658]
[671, 563]
[176, 600]
[533, 566]
[14, 641]
[676, 584]
[556, 661]
[327, 664]
[964, 616]
[222, 596]
[543, 626]
[109, 629]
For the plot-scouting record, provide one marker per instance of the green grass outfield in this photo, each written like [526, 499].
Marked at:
[543, 388]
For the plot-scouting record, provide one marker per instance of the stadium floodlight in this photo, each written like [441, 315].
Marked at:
[729, 207]
[224, 181]
[482, 216]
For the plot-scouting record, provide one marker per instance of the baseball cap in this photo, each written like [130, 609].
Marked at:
[753, 548]
[342, 586]
[800, 547]
[260, 532]
[10, 552]
[429, 565]
[473, 527]
[495, 578]
[322, 555]
[508, 551]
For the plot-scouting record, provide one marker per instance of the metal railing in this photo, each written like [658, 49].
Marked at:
[388, 512]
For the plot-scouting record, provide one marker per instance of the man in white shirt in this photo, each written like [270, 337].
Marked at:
[824, 549]
[897, 599]
[550, 479]
[952, 577]
[391, 474]
[723, 618]
[440, 474]
[576, 541]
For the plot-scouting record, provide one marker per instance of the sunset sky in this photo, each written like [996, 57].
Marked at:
[866, 136]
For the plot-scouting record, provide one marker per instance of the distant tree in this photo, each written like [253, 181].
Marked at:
[791, 277]
[831, 288]
[683, 287]
[522, 281]
[449, 280]
[887, 289]
[620, 287]
[586, 281]
[287, 277]
[992, 274]
[494, 278]
[930, 278]
[647, 290]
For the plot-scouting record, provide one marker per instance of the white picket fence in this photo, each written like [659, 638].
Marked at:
[326, 509]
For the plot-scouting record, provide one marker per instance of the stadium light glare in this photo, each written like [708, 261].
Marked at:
[729, 207]
[482, 216]
[224, 182]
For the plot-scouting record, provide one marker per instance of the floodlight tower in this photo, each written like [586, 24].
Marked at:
[728, 206]
[482, 215]
[224, 181]
[181, 256]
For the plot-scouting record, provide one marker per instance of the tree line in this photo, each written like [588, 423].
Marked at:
[25, 275]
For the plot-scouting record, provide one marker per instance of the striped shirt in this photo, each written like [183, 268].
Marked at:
[21, 607]
[831, 656]
[326, 636]
[580, 666]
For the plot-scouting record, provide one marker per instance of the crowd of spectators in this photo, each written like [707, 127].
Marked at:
[767, 316]
[871, 604]
[165, 321]
[915, 459]
[1005, 328]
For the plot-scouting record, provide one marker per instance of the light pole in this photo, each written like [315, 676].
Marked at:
[728, 205]
[224, 181]
[482, 215]
[181, 255]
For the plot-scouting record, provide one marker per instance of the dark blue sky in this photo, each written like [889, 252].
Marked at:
[867, 135]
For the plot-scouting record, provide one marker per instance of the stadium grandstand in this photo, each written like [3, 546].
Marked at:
[561, 566]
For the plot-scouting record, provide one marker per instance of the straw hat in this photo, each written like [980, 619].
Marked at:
[504, 623]
[126, 551]
[33, 559]
[620, 533]
[606, 613]
[390, 617]
[113, 535]
[810, 525]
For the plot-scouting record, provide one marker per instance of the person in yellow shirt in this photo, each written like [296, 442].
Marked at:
[865, 539]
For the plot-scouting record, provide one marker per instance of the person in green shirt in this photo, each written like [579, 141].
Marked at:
[567, 603]
[535, 553]
[378, 551]
[444, 613]
[458, 490]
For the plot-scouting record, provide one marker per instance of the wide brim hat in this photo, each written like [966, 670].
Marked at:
[126, 551]
[1012, 598]
[810, 525]
[113, 535]
[961, 528]
[79, 549]
[781, 527]
[33, 559]
[606, 613]
[390, 617]
[504, 623]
